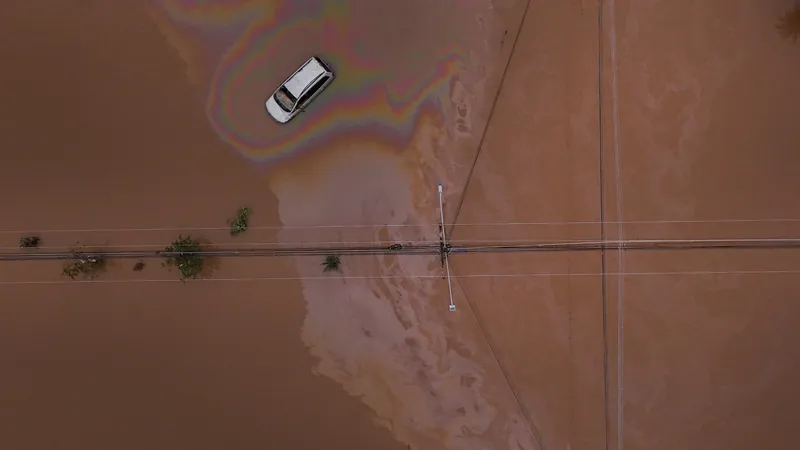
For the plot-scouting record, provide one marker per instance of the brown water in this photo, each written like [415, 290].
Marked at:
[706, 110]
[705, 98]
[101, 130]
[126, 151]
[384, 332]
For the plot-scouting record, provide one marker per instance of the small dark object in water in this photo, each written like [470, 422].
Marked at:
[30, 241]
[332, 263]
[395, 247]
[138, 267]
[89, 266]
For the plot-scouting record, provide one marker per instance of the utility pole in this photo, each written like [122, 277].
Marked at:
[444, 249]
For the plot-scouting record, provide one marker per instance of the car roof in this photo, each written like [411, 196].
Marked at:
[309, 72]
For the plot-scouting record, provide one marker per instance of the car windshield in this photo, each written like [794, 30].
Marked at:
[285, 99]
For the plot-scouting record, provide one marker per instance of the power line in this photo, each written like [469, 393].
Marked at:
[485, 132]
[417, 276]
[626, 222]
[499, 244]
[199, 228]
[503, 369]
[298, 244]
[625, 241]
[612, 38]
[712, 244]
[401, 226]
[603, 256]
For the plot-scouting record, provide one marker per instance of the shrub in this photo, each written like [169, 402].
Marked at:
[29, 241]
[183, 255]
[332, 263]
[139, 266]
[240, 222]
[85, 265]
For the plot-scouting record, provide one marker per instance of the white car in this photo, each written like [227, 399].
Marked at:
[299, 90]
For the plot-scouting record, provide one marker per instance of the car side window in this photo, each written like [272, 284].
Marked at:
[312, 90]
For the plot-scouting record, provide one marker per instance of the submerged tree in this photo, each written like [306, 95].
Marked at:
[332, 263]
[87, 266]
[240, 222]
[183, 254]
[30, 241]
[789, 24]
[139, 266]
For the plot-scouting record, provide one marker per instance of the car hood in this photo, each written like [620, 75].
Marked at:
[276, 111]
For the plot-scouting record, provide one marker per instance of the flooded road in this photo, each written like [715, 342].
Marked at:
[127, 124]
[158, 128]
[698, 141]
[102, 132]
[406, 111]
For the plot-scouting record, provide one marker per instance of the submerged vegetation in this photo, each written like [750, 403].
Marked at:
[87, 266]
[789, 23]
[332, 263]
[30, 241]
[240, 222]
[183, 254]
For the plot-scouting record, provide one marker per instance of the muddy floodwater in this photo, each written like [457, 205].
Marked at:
[129, 123]
[698, 105]
[126, 124]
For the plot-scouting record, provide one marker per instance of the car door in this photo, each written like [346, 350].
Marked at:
[312, 92]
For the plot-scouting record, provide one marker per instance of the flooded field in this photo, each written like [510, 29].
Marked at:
[706, 134]
[128, 124]
[698, 140]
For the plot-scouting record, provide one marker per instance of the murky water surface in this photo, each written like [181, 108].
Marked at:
[162, 125]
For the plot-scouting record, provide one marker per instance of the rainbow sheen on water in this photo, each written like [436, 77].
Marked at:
[377, 97]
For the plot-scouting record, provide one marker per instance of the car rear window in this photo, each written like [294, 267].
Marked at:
[285, 99]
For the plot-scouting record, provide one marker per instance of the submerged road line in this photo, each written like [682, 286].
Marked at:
[433, 249]
[221, 252]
